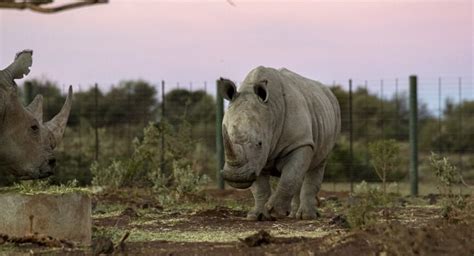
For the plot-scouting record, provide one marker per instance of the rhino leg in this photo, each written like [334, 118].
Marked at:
[261, 191]
[311, 185]
[293, 169]
[295, 204]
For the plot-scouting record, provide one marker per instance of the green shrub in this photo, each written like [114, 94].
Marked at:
[447, 175]
[385, 159]
[367, 202]
[337, 168]
[171, 179]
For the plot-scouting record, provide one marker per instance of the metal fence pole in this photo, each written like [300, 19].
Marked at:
[219, 143]
[351, 128]
[96, 106]
[162, 124]
[413, 136]
[366, 123]
[460, 125]
[439, 117]
[397, 111]
[79, 124]
[382, 114]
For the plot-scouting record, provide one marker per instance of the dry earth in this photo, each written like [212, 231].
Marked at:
[213, 223]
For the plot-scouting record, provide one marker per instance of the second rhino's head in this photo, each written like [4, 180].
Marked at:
[246, 131]
[26, 142]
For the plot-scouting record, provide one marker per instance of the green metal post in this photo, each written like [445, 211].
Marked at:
[219, 143]
[413, 136]
[351, 133]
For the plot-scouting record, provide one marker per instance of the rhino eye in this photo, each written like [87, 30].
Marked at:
[35, 128]
[259, 144]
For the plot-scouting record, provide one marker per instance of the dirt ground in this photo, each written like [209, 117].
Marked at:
[213, 223]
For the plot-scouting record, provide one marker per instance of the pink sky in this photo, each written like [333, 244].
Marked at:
[201, 41]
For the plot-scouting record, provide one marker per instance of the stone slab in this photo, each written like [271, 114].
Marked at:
[63, 216]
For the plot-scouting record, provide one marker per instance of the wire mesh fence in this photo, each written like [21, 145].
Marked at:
[106, 119]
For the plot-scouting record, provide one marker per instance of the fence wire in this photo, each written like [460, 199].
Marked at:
[106, 119]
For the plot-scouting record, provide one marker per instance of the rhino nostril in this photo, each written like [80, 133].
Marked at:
[52, 162]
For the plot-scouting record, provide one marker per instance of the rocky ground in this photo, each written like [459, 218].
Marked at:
[213, 223]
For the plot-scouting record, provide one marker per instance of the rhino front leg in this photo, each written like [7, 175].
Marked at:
[293, 169]
[261, 191]
[295, 204]
[309, 190]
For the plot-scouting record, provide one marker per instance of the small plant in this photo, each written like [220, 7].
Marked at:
[447, 175]
[385, 159]
[365, 203]
[171, 179]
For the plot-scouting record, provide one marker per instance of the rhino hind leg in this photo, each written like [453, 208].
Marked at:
[310, 188]
[261, 191]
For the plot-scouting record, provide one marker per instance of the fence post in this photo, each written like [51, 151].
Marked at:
[219, 143]
[351, 128]
[460, 125]
[162, 124]
[96, 106]
[413, 136]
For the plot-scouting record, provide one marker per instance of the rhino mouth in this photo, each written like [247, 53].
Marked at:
[238, 178]
[239, 185]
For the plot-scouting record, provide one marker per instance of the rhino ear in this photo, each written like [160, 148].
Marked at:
[227, 89]
[261, 90]
[36, 108]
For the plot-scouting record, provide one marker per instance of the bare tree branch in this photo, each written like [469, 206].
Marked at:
[38, 6]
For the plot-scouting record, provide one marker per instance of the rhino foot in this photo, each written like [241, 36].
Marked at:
[278, 208]
[307, 213]
[259, 215]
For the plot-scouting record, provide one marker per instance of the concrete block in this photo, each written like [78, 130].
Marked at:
[63, 216]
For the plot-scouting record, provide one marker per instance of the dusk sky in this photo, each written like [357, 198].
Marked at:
[183, 41]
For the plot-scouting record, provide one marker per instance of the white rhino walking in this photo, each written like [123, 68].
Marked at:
[278, 124]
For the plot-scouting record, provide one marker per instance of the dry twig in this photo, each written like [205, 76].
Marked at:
[39, 6]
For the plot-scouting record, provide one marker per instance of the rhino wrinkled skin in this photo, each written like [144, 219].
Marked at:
[278, 124]
[26, 143]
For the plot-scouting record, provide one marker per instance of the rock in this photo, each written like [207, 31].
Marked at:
[340, 221]
[63, 216]
[432, 198]
[258, 239]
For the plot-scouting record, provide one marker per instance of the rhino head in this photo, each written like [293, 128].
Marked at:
[246, 131]
[26, 142]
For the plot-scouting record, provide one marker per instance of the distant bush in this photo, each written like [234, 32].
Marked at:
[338, 163]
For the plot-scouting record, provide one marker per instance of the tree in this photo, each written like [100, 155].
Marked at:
[131, 102]
[195, 107]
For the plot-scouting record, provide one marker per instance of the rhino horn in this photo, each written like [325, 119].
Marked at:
[233, 152]
[36, 108]
[57, 125]
[229, 150]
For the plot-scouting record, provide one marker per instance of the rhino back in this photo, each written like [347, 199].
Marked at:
[312, 116]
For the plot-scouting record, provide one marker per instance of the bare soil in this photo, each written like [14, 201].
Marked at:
[213, 223]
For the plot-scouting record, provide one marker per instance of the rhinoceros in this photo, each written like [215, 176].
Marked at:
[26, 143]
[278, 123]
